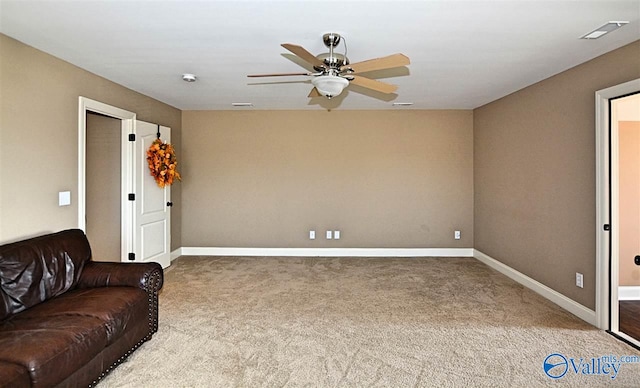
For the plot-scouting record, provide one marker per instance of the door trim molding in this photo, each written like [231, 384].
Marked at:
[603, 216]
[127, 125]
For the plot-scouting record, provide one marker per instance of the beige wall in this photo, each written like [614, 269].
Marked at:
[534, 174]
[629, 139]
[39, 132]
[389, 179]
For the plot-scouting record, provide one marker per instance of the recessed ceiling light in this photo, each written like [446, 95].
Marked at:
[604, 29]
[189, 77]
[402, 103]
[242, 104]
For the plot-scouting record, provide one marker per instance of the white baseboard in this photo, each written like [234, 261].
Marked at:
[629, 293]
[175, 254]
[328, 252]
[566, 303]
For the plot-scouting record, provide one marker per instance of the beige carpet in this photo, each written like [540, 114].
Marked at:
[359, 322]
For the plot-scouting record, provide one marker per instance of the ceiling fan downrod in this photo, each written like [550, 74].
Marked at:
[332, 60]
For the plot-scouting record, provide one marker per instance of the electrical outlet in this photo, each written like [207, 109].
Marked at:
[456, 235]
[579, 280]
[336, 235]
[329, 234]
[312, 235]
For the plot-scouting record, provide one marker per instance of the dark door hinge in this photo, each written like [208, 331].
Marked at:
[132, 137]
[132, 256]
[132, 197]
[607, 227]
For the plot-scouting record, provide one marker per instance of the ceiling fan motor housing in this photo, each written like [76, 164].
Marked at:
[333, 62]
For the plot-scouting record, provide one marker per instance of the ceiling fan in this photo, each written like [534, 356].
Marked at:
[333, 72]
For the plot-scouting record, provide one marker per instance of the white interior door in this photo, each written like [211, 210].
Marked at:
[152, 204]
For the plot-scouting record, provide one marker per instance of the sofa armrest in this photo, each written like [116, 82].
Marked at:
[146, 276]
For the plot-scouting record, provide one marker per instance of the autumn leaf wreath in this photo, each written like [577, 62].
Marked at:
[163, 163]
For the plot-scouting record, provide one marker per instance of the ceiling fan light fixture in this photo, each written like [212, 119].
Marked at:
[329, 85]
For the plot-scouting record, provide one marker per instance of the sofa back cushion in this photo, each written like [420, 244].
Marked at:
[34, 270]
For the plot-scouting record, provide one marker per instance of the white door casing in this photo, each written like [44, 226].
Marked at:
[151, 209]
[128, 122]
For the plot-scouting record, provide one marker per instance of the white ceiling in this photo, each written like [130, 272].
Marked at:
[463, 54]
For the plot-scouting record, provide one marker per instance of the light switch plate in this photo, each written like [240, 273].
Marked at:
[64, 198]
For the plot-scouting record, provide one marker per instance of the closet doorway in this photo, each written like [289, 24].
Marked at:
[103, 186]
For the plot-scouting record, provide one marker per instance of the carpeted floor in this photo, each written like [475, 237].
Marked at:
[362, 322]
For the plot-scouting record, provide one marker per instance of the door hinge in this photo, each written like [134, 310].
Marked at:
[607, 227]
[132, 137]
[132, 197]
[132, 256]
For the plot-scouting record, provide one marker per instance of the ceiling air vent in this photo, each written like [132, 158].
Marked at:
[604, 29]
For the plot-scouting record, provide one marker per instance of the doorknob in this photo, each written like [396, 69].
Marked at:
[169, 204]
[637, 260]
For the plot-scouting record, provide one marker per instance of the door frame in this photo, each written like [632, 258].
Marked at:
[128, 120]
[606, 284]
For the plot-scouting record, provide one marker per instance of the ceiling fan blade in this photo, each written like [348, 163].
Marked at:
[394, 60]
[304, 54]
[314, 93]
[373, 84]
[276, 75]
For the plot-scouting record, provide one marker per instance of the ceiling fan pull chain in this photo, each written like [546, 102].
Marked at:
[344, 41]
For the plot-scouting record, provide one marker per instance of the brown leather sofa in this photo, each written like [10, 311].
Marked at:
[66, 320]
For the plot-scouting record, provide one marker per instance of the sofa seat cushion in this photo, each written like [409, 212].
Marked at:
[13, 375]
[50, 349]
[115, 307]
[54, 339]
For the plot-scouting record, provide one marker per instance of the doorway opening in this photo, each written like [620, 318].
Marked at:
[617, 207]
[625, 198]
[126, 119]
[103, 187]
